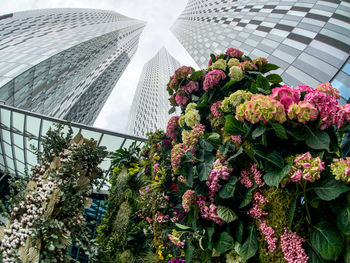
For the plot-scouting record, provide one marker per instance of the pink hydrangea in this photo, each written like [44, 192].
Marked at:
[328, 89]
[261, 108]
[181, 99]
[213, 78]
[340, 168]
[292, 247]
[247, 65]
[214, 109]
[303, 88]
[172, 84]
[286, 95]
[219, 171]
[260, 61]
[343, 114]
[256, 212]
[182, 72]
[236, 139]
[307, 168]
[269, 234]
[171, 129]
[210, 213]
[303, 111]
[191, 87]
[176, 154]
[257, 175]
[236, 53]
[191, 139]
[187, 200]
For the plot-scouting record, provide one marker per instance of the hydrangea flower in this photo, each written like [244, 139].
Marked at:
[219, 64]
[176, 154]
[218, 171]
[292, 247]
[187, 200]
[307, 168]
[181, 99]
[236, 73]
[260, 61]
[303, 88]
[261, 108]
[190, 139]
[340, 168]
[213, 78]
[214, 109]
[236, 53]
[247, 65]
[286, 95]
[182, 72]
[210, 213]
[328, 89]
[171, 129]
[172, 84]
[182, 120]
[303, 111]
[236, 98]
[174, 238]
[233, 62]
[192, 116]
[191, 87]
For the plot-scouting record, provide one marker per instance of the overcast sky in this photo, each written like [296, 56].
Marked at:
[159, 15]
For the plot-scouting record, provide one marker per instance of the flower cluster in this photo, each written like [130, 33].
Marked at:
[303, 111]
[177, 260]
[210, 213]
[190, 87]
[307, 168]
[247, 65]
[286, 96]
[340, 168]
[292, 248]
[171, 129]
[192, 116]
[214, 109]
[236, 139]
[256, 212]
[219, 64]
[245, 177]
[190, 139]
[328, 89]
[236, 73]
[213, 78]
[269, 234]
[176, 154]
[187, 200]
[219, 171]
[261, 108]
[174, 238]
[260, 62]
[182, 72]
[236, 98]
[234, 53]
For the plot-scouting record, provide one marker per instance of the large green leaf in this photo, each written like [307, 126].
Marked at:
[224, 243]
[187, 170]
[326, 240]
[214, 138]
[233, 126]
[226, 214]
[189, 249]
[172, 110]
[196, 75]
[317, 139]
[268, 67]
[273, 157]
[206, 145]
[258, 131]
[239, 232]
[247, 197]
[228, 85]
[280, 131]
[228, 189]
[239, 152]
[298, 133]
[210, 232]
[273, 178]
[204, 168]
[274, 78]
[262, 82]
[183, 227]
[343, 220]
[250, 245]
[330, 189]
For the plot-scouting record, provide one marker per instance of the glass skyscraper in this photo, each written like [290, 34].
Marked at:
[308, 39]
[64, 63]
[150, 106]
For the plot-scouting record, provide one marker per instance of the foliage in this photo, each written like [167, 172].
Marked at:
[46, 209]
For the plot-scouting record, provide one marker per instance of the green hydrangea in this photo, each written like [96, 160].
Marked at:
[182, 120]
[340, 168]
[233, 62]
[192, 116]
[235, 99]
[219, 64]
[236, 73]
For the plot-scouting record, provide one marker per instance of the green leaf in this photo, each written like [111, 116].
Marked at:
[274, 78]
[343, 220]
[183, 227]
[228, 189]
[273, 178]
[279, 130]
[247, 197]
[239, 232]
[203, 101]
[189, 249]
[172, 110]
[226, 214]
[233, 126]
[317, 139]
[210, 232]
[228, 85]
[214, 138]
[213, 58]
[206, 165]
[258, 131]
[194, 98]
[224, 243]
[261, 82]
[292, 211]
[250, 245]
[314, 257]
[268, 67]
[330, 189]
[196, 75]
[273, 157]
[239, 152]
[187, 171]
[326, 240]
[298, 133]
[206, 145]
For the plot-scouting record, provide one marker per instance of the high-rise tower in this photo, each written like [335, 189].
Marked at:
[309, 40]
[64, 62]
[149, 109]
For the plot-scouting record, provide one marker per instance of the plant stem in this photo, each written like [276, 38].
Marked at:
[306, 204]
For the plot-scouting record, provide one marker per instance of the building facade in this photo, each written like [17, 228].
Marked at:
[308, 39]
[150, 106]
[64, 63]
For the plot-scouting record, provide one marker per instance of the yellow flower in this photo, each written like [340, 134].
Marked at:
[170, 256]
[182, 253]
[156, 178]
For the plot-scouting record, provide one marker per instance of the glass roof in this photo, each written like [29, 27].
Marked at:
[20, 129]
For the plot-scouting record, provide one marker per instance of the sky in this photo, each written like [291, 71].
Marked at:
[159, 15]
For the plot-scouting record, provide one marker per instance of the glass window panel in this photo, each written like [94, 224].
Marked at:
[5, 117]
[91, 134]
[10, 163]
[46, 126]
[20, 167]
[346, 68]
[6, 136]
[111, 142]
[31, 158]
[128, 143]
[344, 90]
[19, 154]
[105, 164]
[18, 140]
[33, 125]
[75, 130]
[30, 143]
[18, 121]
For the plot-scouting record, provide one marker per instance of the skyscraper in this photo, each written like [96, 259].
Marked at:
[64, 63]
[309, 40]
[149, 109]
